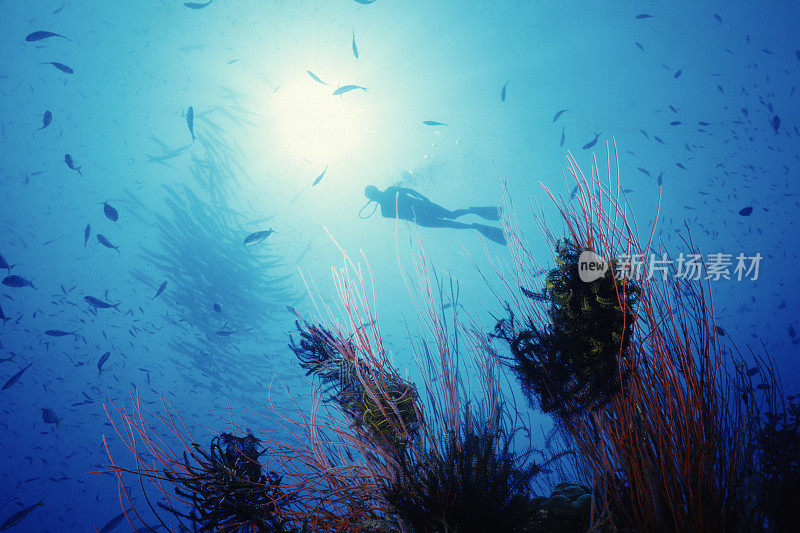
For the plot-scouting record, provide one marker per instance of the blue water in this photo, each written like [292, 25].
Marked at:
[265, 130]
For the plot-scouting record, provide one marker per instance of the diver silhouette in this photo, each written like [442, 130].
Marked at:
[408, 204]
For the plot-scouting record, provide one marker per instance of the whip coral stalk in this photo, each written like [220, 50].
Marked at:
[672, 447]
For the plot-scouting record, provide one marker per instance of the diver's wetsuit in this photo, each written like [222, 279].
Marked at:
[408, 204]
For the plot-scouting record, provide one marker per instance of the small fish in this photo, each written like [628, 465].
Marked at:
[593, 141]
[746, 212]
[319, 178]
[257, 237]
[47, 118]
[13, 379]
[19, 516]
[762, 386]
[160, 289]
[49, 417]
[60, 333]
[770, 52]
[643, 16]
[315, 77]
[101, 362]
[190, 119]
[792, 332]
[752, 371]
[645, 172]
[217, 308]
[60, 66]
[117, 520]
[776, 123]
[719, 19]
[639, 46]
[110, 212]
[225, 332]
[562, 136]
[105, 242]
[195, 5]
[559, 113]
[86, 234]
[355, 48]
[100, 304]
[3, 316]
[433, 123]
[701, 123]
[677, 74]
[17, 282]
[4, 264]
[719, 330]
[661, 178]
[658, 139]
[645, 134]
[503, 91]
[675, 123]
[347, 89]
[364, 2]
[71, 164]
[41, 35]
[681, 166]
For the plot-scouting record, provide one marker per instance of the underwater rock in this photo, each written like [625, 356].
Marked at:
[566, 510]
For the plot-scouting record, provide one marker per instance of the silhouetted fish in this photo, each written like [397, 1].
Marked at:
[41, 35]
[4, 264]
[13, 379]
[593, 141]
[100, 304]
[559, 113]
[433, 123]
[160, 289]
[105, 242]
[110, 212]
[364, 2]
[190, 120]
[347, 89]
[562, 136]
[86, 233]
[3, 316]
[639, 46]
[644, 16]
[59, 333]
[60, 66]
[49, 417]
[677, 74]
[503, 91]
[355, 48]
[315, 78]
[47, 118]
[19, 516]
[746, 212]
[217, 308]
[71, 164]
[776, 123]
[195, 5]
[257, 237]
[17, 282]
[319, 178]
[101, 362]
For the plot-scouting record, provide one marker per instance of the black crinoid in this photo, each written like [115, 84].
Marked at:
[376, 400]
[471, 481]
[574, 360]
[227, 488]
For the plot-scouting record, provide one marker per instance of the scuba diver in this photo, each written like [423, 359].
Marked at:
[408, 204]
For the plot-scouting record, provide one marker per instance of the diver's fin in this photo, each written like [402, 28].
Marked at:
[491, 233]
[489, 213]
